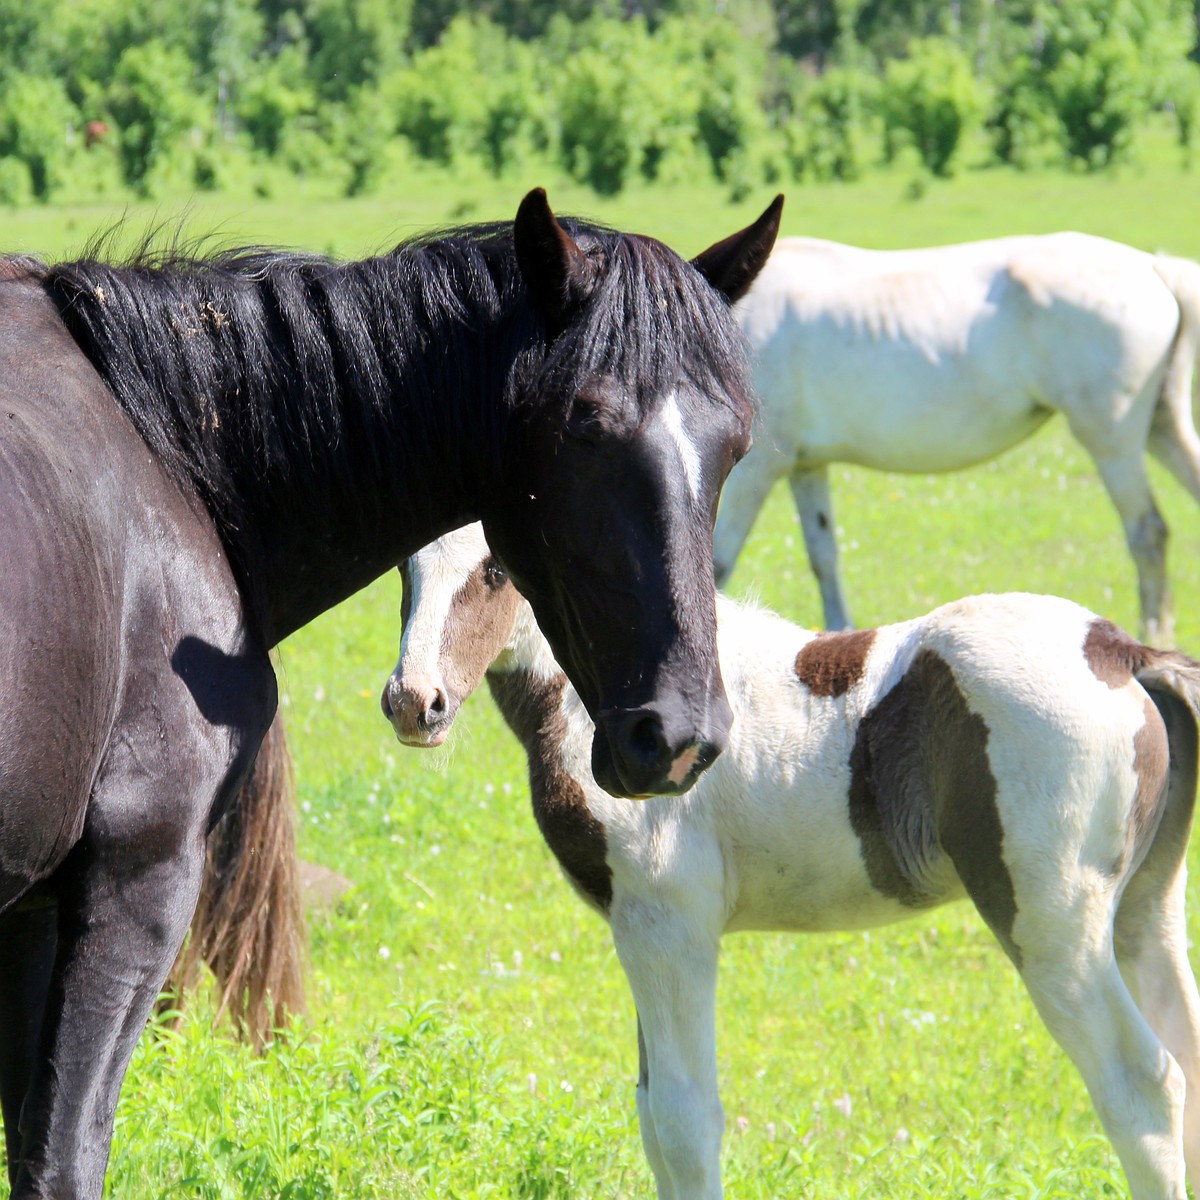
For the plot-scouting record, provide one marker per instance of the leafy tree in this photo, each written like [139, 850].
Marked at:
[153, 100]
[36, 117]
[825, 131]
[275, 96]
[1183, 96]
[730, 118]
[1098, 96]
[355, 42]
[932, 99]
[441, 98]
[602, 133]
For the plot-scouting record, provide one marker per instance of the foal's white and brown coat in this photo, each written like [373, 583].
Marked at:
[1015, 749]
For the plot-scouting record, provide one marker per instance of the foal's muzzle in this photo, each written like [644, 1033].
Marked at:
[420, 711]
[656, 751]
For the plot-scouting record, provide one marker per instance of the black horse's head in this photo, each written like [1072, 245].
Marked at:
[628, 426]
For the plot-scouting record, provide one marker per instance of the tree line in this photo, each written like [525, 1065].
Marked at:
[98, 95]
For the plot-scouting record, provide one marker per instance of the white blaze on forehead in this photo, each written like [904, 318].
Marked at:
[673, 421]
[435, 574]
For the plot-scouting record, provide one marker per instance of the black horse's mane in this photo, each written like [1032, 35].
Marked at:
[249, 369]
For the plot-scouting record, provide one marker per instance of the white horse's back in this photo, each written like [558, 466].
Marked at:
[935, 359]
[930, 360]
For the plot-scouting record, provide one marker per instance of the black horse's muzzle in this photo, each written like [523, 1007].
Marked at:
[656, 750]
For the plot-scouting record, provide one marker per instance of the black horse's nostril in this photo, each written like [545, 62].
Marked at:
[438, 705]
[644, 742]
[385, 701]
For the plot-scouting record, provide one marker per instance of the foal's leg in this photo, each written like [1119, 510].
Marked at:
[1152, 952]
[27, 945]
[126, 895]
[1136, 1086]
[654, 1156]
[814, 506]
[671, 963]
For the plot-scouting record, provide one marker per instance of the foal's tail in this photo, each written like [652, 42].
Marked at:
[1182, 276]
[249, 922]
[1173, 683]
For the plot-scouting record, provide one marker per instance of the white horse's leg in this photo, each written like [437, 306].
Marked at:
[671, 964]
[814, 506]
[1124, 476]
[1152, 952]
[1137, 1087]
[1175, 443]
[742, 497]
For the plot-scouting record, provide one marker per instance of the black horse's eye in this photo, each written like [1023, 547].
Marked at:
[494, 575]
[586, 421]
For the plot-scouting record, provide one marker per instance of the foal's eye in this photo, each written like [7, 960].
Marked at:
[494, 575]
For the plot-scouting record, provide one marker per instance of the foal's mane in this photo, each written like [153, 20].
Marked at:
[247, 368]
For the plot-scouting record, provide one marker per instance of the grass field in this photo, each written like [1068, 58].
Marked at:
[470, 1033]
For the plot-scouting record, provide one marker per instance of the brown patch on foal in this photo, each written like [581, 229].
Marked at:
[533, 708]
[1112, 655]
[921, 783]
[478, 626]
[832, 663]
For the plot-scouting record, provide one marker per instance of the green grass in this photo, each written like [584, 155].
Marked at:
[470, 1031]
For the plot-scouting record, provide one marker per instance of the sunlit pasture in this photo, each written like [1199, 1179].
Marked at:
[469, 1031]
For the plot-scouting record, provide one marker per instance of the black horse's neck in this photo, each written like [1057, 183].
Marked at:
[333, 417]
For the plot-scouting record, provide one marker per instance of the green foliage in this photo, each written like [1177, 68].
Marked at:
[605, 120]
[1022, 123]
[355, 42]
[614, 93]
[1098, 95]
[442, 97]
[36, 120]
[729, 117]
[153, 100]
[1183, 96]
[932, 99]
[16, 182]
[275, 97]
[825, 132]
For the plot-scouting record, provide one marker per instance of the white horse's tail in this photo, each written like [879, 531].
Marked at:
[1182, 276]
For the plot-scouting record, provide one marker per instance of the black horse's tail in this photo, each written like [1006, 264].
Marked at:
[249, 923]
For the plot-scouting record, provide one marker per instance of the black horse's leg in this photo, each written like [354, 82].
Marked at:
[124, 906]
[27, 943]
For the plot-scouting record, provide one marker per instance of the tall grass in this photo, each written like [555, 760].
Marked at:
[470, 1032]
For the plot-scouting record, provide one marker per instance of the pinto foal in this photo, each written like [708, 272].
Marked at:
[1015, 749]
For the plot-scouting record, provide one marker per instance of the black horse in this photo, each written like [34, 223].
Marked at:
[198, 457]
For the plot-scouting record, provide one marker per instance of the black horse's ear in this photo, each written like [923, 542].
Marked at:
[554, 268]
[732, 265]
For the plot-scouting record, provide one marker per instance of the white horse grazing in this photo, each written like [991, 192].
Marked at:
[1014, 749]
[932, 360]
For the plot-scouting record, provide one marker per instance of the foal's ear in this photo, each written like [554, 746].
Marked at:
[554, 268]
[732, 265]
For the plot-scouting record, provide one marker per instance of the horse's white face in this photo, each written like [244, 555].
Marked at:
[458, 613]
